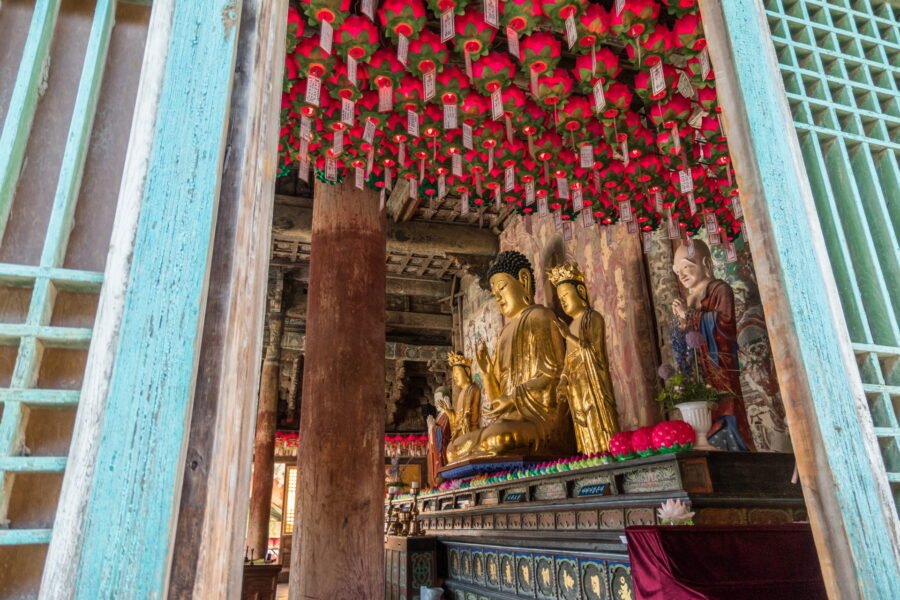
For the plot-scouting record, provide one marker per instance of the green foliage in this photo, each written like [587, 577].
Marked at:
[684, 388]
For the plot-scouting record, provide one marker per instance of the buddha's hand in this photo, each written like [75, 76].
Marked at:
[499, 407]
[679, 308]
[483, 358]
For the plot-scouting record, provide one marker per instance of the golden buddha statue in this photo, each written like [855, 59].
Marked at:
[520, 379]
[585, 382]
[465, 415]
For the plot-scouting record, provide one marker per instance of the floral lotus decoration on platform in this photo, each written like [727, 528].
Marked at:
[674, 512]
[388, 89]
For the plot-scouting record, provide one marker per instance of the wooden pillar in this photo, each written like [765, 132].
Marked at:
[338, 543]
[264, 444]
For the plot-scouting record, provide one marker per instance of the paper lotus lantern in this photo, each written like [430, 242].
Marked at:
[643, 84]
[708, 99]
[473, 35]
[694, 66]
[653, 47]
[618, 99]
[539, 53]
[644, 169]
[402, 17]
[667, 144]
[553, 90]
[295, 28]
[521, 15]
[311, 59]
[426, 53]
[367, 109]
[675, 111]
[339, 85]
[593, 28]
[409, 95]
[493, 72]
[331, 11]
[688, 33]
[574, 116]
[474, 108]
[557, 11]
[635, 19]
[451, 84]
[680, 7]
[641, 142]
[438, 7]
[620, 445]
[606, 65]
[357, 37]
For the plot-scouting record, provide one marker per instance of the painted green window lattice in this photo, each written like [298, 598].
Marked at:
[840, 60]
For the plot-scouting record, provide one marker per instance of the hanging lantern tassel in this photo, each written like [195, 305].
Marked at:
[386, 98]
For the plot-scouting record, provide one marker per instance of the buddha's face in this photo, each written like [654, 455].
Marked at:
[691, 272]
[509, 293]
[460, 376]
[571, 301]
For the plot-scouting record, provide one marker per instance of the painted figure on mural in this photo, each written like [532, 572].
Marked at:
[521, 378]
[709, 309]
[586, 382]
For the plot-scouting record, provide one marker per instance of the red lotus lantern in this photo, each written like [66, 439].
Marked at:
[474, 108]
[539, 53]
[450, 85]
[514, 101]
[410, 95]
[711, 129]
[620, 445]
[557, 11]
[634, 20]
[643, 84]
[295, 28]
[674, 111]
[493, 72]
[301, 106]
[574, 116]
[545, 148]
[385, 75]
[618, 99]
[671, 142]
[439, 7]
[553, 90]
[695, 67]
[707, 99]
[679, 8]
[521, 15]
[593, 28]
[473, 36]
[644, 170]
[532, 121]
[339, 85]
[642, 441]
[367, 108]
[311, 59]
[357, 38]
[652, 48]
[603, 66]
[688, 33]
[329, 11]
[402, 17]
[426, 53]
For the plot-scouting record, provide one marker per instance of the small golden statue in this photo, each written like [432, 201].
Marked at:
[466, 414]
[520, 380]
[586, 381]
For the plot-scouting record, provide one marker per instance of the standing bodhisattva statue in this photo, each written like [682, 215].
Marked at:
[465, 414]
[586, 381]
[521, 378]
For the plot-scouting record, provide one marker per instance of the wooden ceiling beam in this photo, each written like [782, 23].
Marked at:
[396, 286]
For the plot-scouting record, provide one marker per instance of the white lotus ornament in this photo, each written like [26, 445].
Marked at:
[674, 512]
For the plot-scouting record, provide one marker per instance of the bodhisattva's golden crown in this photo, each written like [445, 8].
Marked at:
[568, 272]
[458, 360]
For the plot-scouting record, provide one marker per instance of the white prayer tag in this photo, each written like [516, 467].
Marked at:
[442, 186]
[304, 170]
[625, 211]
[468, 61]
[704, 64]
[368, 9]
[496, 105]
[736, 208]
[401, 154]
[577, 200]
[348, 107]
[330, 169]
[412, 123]
[448, 25]
[386, 98]
[497, 198]
[456, 165]
[620, 6]
[305, 128]
[543, 210]
[360, 178]
[351, 69]
[692, 203]
[587, 156]
[450, 112]
[414, 188]
[326, 37]
[370, 161]
[467, 136]
[632, 226]
[509, 179]
[338, 142]
[625, 157]
[657, 79]
[674, 232]
[557, 220]
[712, 226]
[730, 252]
[571, 32]
[562, 188]
[491, 13]
[388, 179]
[597, 180]
[658, 202]
[587, 218]
[369, 131]
[402, 48]
[676, 138]
[567, 231]
[464, 204]
[529, 193]
[647, 239]
[715, 238]
[696, 118]
[686, 182]
[533, 81]
[512, 42]
[428, 84]
[313, 90]
[304, 149]
[599, 98]
[382, 197]
[685, 87]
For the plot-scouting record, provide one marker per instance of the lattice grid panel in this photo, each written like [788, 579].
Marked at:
[840, 60]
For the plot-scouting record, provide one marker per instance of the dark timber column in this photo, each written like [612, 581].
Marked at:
[338, 542]
[264, 443]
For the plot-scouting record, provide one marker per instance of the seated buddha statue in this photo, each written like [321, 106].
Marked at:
[521, 378]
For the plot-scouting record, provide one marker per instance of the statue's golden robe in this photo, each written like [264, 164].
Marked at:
[587, 384]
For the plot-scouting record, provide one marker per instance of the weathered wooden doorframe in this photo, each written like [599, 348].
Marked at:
[847, 495]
